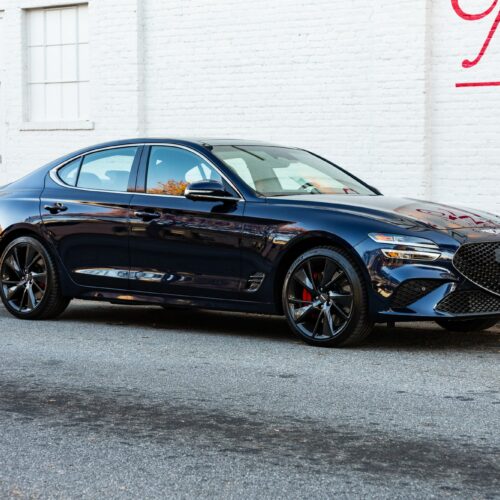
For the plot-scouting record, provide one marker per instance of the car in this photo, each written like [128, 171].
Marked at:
[244, 226]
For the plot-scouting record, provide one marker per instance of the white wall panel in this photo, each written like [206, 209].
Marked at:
[368, 84]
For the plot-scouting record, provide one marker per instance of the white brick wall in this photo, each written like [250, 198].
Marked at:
[370, 85]
[465, 130]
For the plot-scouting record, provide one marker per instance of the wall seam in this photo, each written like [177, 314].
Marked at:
[141, 82]
[428, 104]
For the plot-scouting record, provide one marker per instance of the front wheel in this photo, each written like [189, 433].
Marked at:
[325, 299]
[29, 282]
[466, 325]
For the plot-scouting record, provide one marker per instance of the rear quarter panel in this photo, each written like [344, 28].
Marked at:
[19, 210]
[20, 204]
[20, 214]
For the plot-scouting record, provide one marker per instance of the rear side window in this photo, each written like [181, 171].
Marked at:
[107, 170]
[69, 173]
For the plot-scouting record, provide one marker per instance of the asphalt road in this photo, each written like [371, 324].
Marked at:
[114, 402]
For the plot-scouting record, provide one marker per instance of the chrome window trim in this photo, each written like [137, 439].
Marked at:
[55, 177]
[126, 274]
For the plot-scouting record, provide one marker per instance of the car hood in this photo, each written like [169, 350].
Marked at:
[401, 211]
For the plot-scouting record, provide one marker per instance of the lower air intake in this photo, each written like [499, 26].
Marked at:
[411, 291]
[470, 302]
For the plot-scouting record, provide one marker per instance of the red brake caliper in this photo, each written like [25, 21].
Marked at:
[306, 294]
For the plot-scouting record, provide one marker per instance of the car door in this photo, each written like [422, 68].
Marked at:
[85, 212]
[179, 246]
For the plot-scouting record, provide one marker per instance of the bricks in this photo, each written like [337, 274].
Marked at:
[370, 85]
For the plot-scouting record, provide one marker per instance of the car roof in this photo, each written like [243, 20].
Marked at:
[198, 141]
[195, 143]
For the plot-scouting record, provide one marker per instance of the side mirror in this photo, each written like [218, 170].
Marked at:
[208, 190]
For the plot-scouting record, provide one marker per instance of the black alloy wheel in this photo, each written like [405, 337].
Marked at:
[24, 277]
[29, 285]
[324, 299]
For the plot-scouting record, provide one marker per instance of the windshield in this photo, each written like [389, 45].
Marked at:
[276, 171]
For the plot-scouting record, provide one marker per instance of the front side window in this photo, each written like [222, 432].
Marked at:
[58, 64]
[171, 170]
[107, 170]
[275, 171]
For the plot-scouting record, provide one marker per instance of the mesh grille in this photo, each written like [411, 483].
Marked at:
[411, 291]
[470, 302]
[480, 263]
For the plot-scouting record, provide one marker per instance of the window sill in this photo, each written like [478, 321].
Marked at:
[62, 125]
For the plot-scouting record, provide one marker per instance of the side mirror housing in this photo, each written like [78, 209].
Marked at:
[209, 191]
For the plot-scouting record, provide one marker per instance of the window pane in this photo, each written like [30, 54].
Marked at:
[37, 102]
[69, 63]
[53, 26]
[53, 101]
[83, 30]
[37, 64]
[36, 27]
[171, 170]
[70, 101]
[2, 42]
[107, 170]
[69, 173]
[53, 64]
[83, 100]
[83, 62]
[68, 25]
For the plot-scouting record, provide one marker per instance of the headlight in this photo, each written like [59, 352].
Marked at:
[407, 247]
[398, 239]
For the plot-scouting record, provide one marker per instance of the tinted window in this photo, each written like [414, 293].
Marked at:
[69, 173]
[275, 171]
[171, 170]
[107, 170]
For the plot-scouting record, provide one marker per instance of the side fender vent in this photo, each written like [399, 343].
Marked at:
[254, 282]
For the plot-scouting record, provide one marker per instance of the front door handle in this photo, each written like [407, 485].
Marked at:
[56, 208]
[147, 216]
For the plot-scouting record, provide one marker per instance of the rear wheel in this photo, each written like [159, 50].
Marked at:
[29, 283]
[466, 325]
[325, 300]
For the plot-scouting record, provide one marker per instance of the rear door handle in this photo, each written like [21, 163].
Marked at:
[56, 208]
[147, 216]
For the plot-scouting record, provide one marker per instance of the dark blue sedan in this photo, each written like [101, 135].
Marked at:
[244, 226]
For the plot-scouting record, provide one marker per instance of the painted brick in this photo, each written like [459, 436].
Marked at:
[370, 85]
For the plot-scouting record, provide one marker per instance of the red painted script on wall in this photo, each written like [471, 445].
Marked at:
[469, 63]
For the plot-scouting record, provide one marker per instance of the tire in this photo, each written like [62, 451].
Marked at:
[325, 299]
[467, 325]
[26, 265]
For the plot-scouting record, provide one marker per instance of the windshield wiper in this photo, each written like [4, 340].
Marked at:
[248, 152]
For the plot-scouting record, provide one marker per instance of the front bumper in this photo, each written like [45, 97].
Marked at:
[430, 290]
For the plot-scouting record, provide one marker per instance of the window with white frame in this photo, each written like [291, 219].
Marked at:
[58, 64]
[2, 44]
